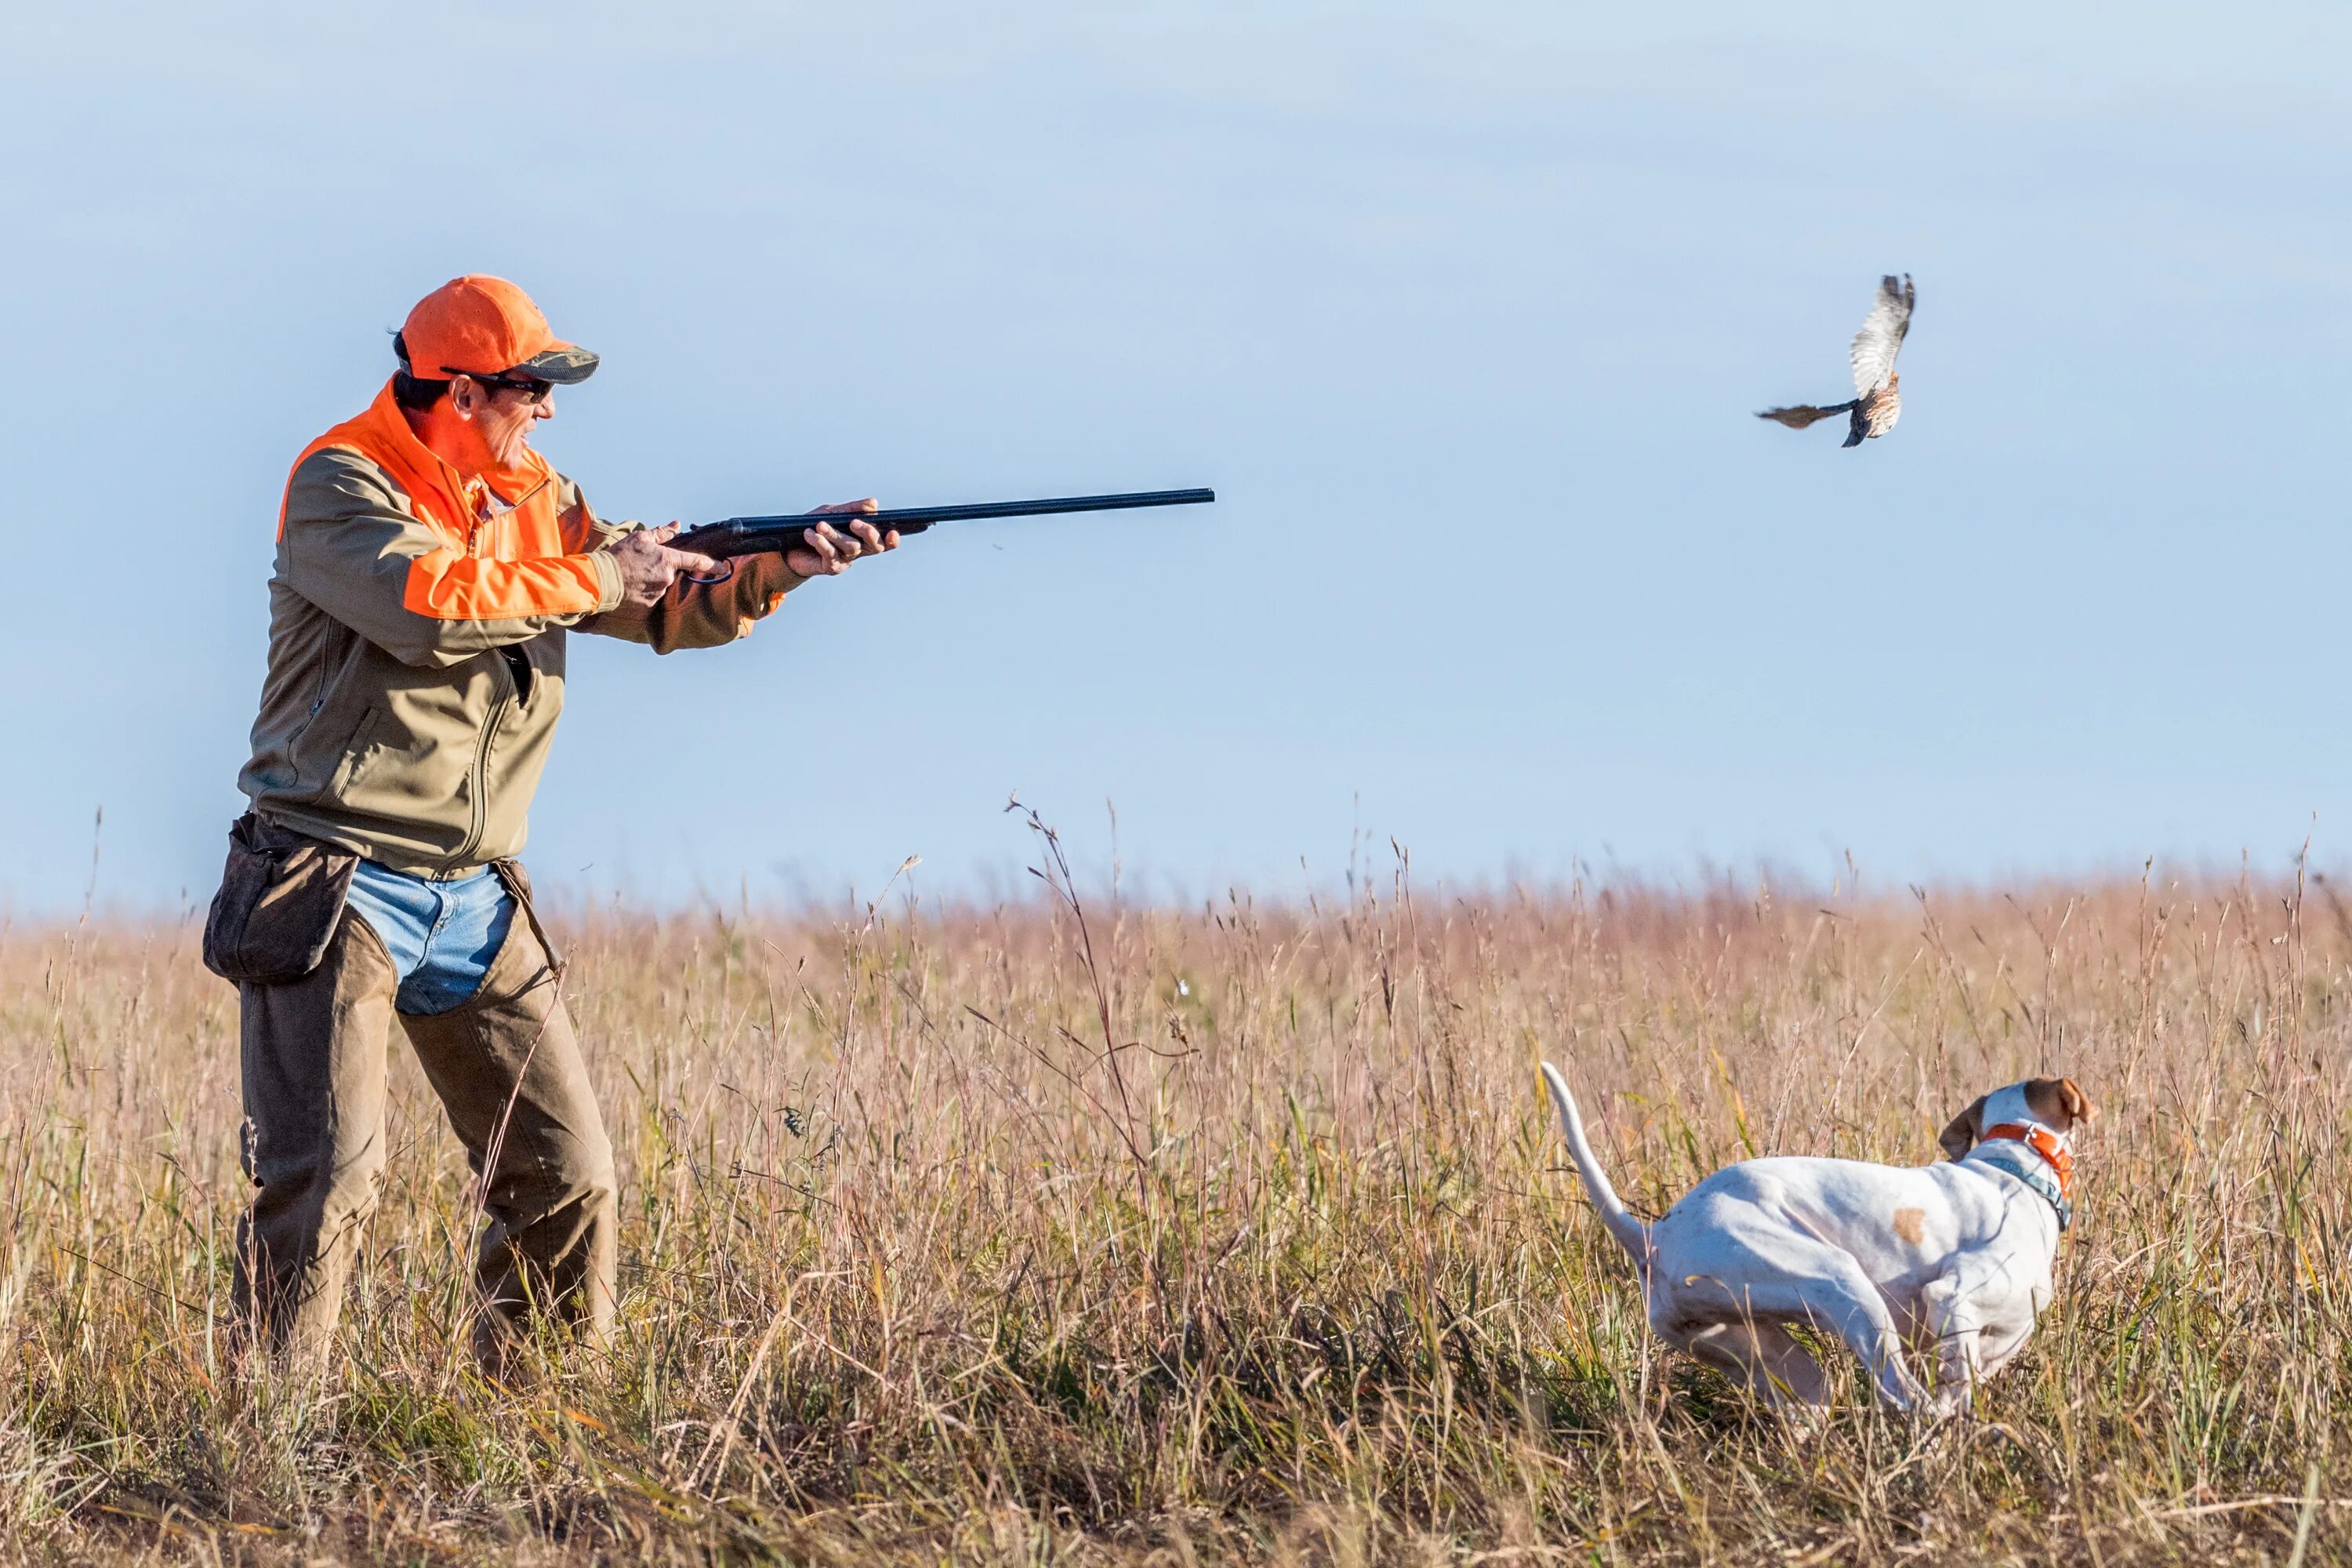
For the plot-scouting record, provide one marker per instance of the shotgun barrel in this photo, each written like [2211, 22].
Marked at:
[757, 536]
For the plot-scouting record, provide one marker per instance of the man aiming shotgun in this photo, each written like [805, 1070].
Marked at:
[429, 564]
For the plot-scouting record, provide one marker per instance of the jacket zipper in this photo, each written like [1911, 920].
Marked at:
[480, 778]
[318, 700]
[476, 545]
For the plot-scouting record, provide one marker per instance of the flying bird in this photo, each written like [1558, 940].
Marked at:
[1877, 404]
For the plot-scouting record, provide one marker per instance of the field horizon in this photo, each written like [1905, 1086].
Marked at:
[1068, 1231]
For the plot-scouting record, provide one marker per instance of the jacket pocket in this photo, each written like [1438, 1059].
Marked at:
[281, 897]
[409, 761]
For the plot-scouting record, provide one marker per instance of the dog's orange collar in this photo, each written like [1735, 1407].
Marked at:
[2044, 1142]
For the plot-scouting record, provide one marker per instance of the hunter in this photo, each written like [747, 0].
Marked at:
[429, 564]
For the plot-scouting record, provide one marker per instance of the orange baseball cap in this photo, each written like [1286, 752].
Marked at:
[479, 325]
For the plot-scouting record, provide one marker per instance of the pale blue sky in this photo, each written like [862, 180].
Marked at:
[1462, 309]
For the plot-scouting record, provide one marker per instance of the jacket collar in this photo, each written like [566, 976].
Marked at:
[380, 434]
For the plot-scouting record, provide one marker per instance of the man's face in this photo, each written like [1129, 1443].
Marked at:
[502, 416]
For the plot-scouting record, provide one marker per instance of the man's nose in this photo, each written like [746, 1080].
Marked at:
[545, 408]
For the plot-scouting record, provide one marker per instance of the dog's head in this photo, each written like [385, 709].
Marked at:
[2056, 1103]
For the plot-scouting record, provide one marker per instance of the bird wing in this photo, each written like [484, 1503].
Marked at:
[1876, 346]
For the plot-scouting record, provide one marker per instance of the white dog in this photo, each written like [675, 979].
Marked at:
[1878, 1255]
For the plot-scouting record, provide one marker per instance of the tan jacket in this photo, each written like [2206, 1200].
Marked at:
[417, 636]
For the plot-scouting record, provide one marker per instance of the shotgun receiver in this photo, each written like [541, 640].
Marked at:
[759, 535]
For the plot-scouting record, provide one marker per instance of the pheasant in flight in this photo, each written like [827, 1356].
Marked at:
[1877, 404]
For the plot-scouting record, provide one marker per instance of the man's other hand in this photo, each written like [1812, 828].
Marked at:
[647, 564]
[826, 551]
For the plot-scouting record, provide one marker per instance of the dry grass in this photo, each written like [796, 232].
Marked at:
[915, 1271]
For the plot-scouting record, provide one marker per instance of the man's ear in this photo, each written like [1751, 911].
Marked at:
[1961, 1133]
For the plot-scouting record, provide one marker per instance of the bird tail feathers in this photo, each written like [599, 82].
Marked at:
[1803, 413]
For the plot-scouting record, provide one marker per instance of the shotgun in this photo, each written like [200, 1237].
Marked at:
[758, 535]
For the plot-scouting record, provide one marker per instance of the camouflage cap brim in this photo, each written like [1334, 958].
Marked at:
[564, 366]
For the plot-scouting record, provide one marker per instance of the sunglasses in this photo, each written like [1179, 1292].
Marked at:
[533, 390]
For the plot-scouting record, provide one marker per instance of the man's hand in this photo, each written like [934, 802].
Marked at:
[826, 552]
[647, 564]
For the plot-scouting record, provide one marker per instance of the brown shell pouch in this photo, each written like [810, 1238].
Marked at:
[281, 897]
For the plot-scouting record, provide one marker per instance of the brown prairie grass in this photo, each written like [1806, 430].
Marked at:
[1230, 1235]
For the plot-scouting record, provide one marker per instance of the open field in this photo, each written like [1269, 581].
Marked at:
[915, 1271]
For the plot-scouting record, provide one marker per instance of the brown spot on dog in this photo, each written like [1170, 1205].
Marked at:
[1911, 1225]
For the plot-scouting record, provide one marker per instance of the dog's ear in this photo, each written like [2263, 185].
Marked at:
[2060, 1102]
[1962, 1134]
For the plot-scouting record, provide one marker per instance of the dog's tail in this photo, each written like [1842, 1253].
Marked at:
[1630, 1233]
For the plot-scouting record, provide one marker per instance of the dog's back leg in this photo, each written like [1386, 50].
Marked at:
[1775, 1367]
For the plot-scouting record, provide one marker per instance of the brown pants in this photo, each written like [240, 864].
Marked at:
[507, 1069]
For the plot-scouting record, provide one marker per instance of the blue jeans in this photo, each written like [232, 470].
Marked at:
[441, 936]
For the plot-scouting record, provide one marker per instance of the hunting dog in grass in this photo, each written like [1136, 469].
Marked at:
[1954, 1254]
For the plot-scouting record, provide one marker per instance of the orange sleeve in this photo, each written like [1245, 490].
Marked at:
[450, 585]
